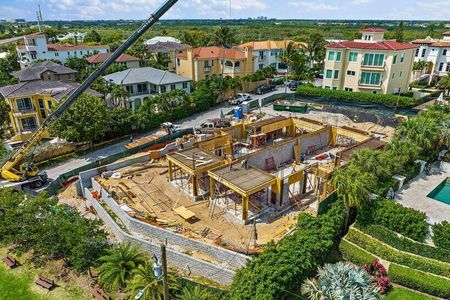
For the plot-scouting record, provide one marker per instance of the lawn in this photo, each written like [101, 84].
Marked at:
[404, 294]
[16, 287]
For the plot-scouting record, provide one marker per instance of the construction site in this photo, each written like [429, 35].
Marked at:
[241, 186]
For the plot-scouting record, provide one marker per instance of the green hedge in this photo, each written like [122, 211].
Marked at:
[394, 216]
[401, 243]
[389, 100]
[354, 254]
[441, 235]
[419, 281]
[416, 262]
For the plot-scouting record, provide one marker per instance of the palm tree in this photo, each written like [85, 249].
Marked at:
[224, 37]
[195, 293]
[341, 281]
[159, 61]
[118, 265]
[444, 83]
[316, 50]
[117, 95]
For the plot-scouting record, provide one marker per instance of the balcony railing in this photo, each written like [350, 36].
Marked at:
[364, 66]
[207, 69]
[24, 111]
[370, 85]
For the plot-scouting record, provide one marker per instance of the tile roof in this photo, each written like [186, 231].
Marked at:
[446, 33]
[270, 44]
[215, 52]
[56, 89]
[423, 41]
[384, 45]
[373, 30]
[101, 57]
[35, 71]
[441, 44]
[68, 47]
[163, 47]
[146, 74]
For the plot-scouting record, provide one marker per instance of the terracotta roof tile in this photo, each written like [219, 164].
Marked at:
[215, 52]
[384, 45]
[101, 57]
[441, 44]
[270, 44]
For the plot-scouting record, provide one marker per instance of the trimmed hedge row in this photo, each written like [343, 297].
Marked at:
[394, 216]
[389, 100]
[419, 281]
[416, 262]
[441, 234]
[354, 254]
[401, 243]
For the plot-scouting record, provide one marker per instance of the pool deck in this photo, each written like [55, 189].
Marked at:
[414, 195]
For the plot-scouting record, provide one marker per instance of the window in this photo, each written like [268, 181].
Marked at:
[49, 77]
[393, 75]
[327, 87]
[172, 87]
[417, 52]
[402, 58]
[81, 52]
[130, 89]
[441, 66]
[336, 74]
[206, 63]
[142, 88]
[185, 85]
[447, 68]
[338, 56]
[163, 89]
[330, 55]
[24, 104]
[69, 76]
[29, 123]
[58, 77]
[351, 73]
[49, 104]
[371, 59]
[273, 65]
[400, 75]
[374, 92]
[353, 56]
[42, 108]
[423, 52]
[56, 54]
[348, 89]
[370, 78]
[33, 55]
[394, 61]
[334, 88]
[261, 66]
[444, 52]
[178, 62]
[329, 74]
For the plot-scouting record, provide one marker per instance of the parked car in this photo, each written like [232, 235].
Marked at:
[211, 125]
[293, 85]
[170, 128]
[245, 95]
[238, 99]
[265, 88]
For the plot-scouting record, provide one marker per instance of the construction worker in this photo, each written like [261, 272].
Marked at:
[294, 166]
[302, 158]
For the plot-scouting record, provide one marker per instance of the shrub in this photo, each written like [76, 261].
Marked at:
[281, 269]
[389, 100]
[421, 281]
[406, 221]
[378, 274]
[441, 235]
[401, 243]
[354, 254]
[413, 261]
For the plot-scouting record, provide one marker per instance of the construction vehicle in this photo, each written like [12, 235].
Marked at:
[170, 128]
[211, 125]
[17, 171]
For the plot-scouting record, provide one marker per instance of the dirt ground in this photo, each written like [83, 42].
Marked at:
[145, 189]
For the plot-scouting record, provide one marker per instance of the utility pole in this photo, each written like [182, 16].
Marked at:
[165, 277]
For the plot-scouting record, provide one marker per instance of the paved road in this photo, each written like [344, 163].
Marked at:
[10, 40]
[191, 121]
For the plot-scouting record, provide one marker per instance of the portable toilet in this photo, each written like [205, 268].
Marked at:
[237, 112]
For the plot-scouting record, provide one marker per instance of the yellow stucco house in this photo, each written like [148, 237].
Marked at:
[203, 62]
[31, 103]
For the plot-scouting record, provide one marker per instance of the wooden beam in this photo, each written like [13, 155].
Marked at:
[212, 191]
[194, 185]
[170, 171]
[245, 200]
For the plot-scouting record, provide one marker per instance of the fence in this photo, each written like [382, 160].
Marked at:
[57, 184]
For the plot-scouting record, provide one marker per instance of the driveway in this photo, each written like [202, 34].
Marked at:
[192, 121]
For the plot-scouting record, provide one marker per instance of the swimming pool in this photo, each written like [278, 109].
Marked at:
[441, 192]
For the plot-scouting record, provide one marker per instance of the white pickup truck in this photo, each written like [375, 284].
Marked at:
[239, 98]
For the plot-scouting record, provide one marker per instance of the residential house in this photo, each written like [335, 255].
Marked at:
[268, 53]
[162, 39]
[36, 47]
[200, 63]
[169, 50]
[45, 70]
[31, 103]
[370, 64]
[436, 53]
[78, 37]
[124, 60]
[143, 83]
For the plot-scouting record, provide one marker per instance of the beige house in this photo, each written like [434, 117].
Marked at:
[370, 64]
[200, 63]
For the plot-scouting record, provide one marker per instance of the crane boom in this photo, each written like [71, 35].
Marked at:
[9, 170]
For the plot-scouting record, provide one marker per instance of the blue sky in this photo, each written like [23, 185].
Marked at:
[201, 9]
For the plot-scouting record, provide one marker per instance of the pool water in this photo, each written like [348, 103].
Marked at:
[441, 192]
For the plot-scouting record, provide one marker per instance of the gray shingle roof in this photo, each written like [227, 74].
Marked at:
[147, 74]
[35, 71]
[163, 47]
[57, 89]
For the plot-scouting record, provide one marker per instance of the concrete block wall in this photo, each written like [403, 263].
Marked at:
[319, 141]
[158, 235]
[281, 155]
[190, 265]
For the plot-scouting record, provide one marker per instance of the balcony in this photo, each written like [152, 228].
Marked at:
[207, 69]
[24, 111]
[364, 85]
[373, 67]
[231, 70]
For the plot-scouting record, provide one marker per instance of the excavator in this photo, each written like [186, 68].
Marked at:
[15, 172]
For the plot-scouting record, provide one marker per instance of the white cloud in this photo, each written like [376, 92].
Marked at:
[312, 6]
[9, 12]
[435, 9]
[361, 1]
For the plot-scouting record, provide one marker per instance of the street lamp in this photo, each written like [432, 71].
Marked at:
[157, 271]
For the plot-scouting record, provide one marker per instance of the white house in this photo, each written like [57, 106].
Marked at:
[162, 39]
[144, 83]
[436, 53]
[36, 46]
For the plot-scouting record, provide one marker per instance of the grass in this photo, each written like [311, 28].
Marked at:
[16, 287]
[398, 293]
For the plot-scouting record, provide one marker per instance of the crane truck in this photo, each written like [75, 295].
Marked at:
[18, 174]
